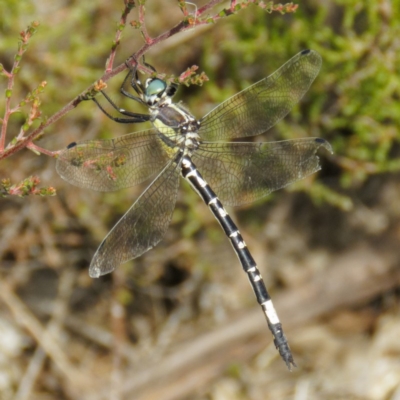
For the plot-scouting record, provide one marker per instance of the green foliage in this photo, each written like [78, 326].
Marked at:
[25, 188]
[354, 102]
[189, 77]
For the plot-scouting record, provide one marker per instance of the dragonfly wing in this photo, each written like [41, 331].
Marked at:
[108, 165]
[142, 226]
[241, 173]
[260, 106]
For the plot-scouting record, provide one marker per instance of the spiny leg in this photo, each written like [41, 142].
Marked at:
[131, 118]
[194, 177]
[131, 79]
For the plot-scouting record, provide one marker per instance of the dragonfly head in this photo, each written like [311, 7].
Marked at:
[158, 92]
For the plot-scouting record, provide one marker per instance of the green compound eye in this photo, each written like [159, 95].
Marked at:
[155, 87]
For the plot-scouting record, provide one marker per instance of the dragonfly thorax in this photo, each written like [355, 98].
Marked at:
[177, 124]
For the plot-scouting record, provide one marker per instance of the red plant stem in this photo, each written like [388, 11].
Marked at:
[143, 29]
[41, 150]
[122, 22]
[8, 111]
[4, 125]
[25, 36]
[34, 134]
[207, 6]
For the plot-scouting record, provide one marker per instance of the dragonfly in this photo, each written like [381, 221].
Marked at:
[201, 151]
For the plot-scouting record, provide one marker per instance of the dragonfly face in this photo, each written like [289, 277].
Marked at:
[157, 93]
[178, 126]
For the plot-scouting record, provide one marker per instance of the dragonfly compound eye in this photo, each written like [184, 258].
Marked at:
[155, 89]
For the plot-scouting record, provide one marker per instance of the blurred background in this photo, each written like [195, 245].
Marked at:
[181, 322]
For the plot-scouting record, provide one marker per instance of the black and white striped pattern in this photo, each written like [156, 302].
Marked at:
[190, 172]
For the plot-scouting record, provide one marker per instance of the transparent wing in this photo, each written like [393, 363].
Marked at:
[241, 173]
[262, 105]
[108, 165]
[143, 225]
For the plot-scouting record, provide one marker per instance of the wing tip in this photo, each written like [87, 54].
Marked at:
[324, 143]
[313, 57]
[94, 272]
[71, 145]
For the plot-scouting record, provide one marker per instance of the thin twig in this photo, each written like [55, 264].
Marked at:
[41, 150]
[22, 47]
[50, 345]
[118, 324]
[59, 312]
[143, 29]
[207, 7]
[129, 4]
